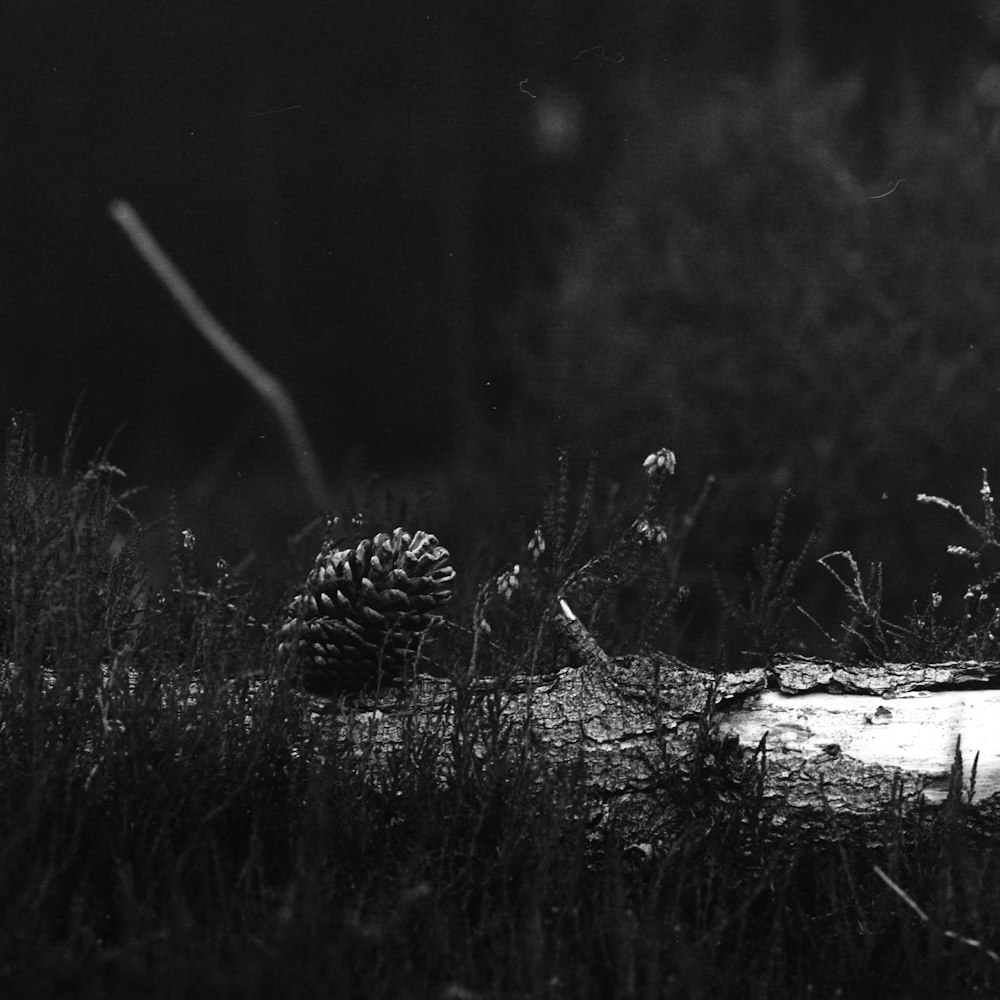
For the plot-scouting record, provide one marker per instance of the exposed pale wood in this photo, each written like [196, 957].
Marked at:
[829, 737]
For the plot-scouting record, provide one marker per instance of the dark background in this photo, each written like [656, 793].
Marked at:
[392, 206]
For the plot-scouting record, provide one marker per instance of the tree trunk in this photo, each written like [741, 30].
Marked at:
[660, 742]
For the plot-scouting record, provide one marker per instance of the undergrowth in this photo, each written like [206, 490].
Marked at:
[173, 820]
[929, 631]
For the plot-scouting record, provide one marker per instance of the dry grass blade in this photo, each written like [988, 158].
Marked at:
[906, 898]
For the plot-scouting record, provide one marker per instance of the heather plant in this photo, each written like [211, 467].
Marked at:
[940, 626]
[982, 613]
[615, 560]
[762, 619]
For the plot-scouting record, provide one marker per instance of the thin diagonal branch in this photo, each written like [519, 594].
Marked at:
[269, 388]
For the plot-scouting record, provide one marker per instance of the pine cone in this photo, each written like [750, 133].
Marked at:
[362, 609]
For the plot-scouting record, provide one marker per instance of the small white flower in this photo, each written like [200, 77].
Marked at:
[935, 600]
[660, 463]
[187, 539]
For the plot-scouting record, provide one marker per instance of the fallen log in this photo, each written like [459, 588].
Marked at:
[661, 742]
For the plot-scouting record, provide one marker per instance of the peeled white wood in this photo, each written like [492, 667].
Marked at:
[913, 731]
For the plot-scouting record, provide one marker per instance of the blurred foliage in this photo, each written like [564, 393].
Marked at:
[753, 290]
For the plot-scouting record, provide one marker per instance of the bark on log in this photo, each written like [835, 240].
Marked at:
[660, 741]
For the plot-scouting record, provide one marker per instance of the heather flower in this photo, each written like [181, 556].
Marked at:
[660, 463]
[536, 545]
[650, 531]
[507, 583]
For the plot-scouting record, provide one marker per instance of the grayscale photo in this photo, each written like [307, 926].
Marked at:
[497, 499]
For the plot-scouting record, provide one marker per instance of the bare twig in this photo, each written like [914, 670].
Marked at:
[260, 380]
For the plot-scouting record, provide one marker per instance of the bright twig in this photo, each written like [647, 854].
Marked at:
[261, 381]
